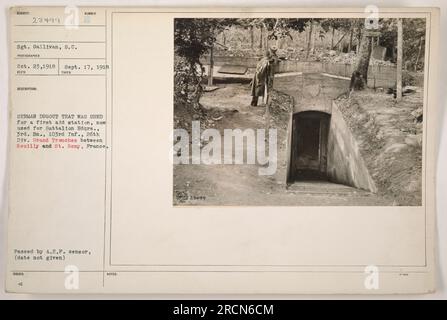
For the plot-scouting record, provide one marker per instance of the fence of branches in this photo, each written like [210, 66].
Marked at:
[378, 75]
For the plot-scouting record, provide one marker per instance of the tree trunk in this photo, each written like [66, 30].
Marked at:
[399, 60]
[309, 40]
[266, 40]
[211, 67]
[332, 38]
[350, 40]
[419, 54]
[359, 39]
[252, 38]
[197, 89]
[362, 64]
[393, 58]
[260, 37]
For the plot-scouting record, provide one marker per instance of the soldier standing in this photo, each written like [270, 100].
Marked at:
[263, 77]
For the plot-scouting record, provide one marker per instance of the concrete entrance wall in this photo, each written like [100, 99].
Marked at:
[344, 162]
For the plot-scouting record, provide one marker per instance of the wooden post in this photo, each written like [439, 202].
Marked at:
[399, 61]
[210, 70]
[267, 108]
[266, 91]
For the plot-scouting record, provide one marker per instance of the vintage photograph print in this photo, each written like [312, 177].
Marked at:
[298, 112]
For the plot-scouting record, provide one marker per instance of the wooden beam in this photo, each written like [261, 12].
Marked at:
[399, 60]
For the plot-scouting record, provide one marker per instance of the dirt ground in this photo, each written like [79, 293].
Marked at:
[389, 135]
[229, 107]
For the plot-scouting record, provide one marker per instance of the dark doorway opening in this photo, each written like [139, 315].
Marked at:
[308, 157]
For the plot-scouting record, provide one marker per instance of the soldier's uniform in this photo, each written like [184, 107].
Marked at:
[264, 74]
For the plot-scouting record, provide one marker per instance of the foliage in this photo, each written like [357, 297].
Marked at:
[279, 28]
[339, 24]
[193, 38]
[183, 76]
[413, 41]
